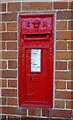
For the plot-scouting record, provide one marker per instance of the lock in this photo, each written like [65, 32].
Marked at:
[36, 60]
[30, 79]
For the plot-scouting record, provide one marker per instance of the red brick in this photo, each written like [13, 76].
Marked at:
[34, 112]
[13, 110]
[64, 75]
[11, 46]
[4, 83]
[9, 36]
[64, 95]
[70, 45]
[14, 6]
[70, 4]
[60, 85]
[8, 74]
[36, 6]
[64, 55]
[61, 65]
[60, 113]
[70, 25]
[2, 46]
[31, 118]
[59, 104]
[9, 92]
[61, 25]
[70, 65]
[70, 85]
[11, 26]
[61, 45]
[9, 17]
[45, 112]
[0, 110]
[12, 83]
[2, 27]
[60, 5]
[9, 55]
[2, 7]
[2, 101]
[69, 104]
[14, 117]
[3, 116]
[64, 15]
[0, 17]
[64, 35]
[56, 119]
[3, 64]
[11, 101]
[12, 64]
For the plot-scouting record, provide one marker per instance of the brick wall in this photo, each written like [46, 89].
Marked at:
[63, 82]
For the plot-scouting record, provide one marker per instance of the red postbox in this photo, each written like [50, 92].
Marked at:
[35, 60]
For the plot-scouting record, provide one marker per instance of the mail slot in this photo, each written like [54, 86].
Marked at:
[35, 60]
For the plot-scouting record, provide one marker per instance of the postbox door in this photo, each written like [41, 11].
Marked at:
[36, 75]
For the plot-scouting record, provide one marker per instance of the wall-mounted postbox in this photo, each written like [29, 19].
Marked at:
[35, 59]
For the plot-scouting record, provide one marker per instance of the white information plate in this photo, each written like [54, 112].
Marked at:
[35, 60]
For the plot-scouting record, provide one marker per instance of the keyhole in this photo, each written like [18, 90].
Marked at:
[30, 78]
